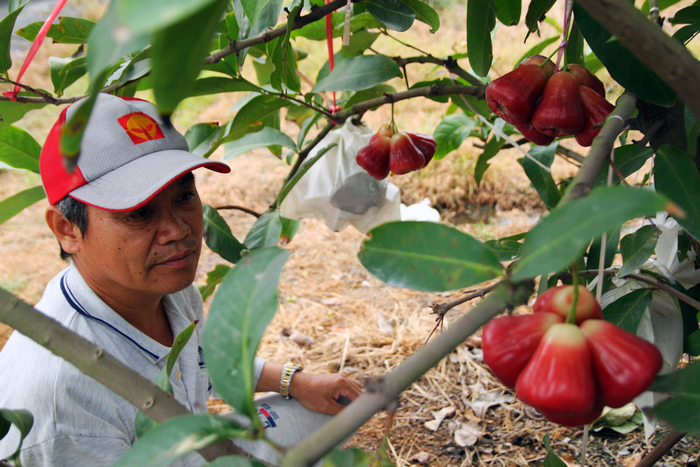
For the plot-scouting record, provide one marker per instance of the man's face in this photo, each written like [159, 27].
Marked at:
[145, 253]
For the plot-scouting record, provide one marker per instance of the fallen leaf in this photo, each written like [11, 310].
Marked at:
[385, 326]
[468, 434]
[439, 417]
[422, 458]
[301, 339]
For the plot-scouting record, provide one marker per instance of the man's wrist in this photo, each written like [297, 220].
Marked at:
[286, 378]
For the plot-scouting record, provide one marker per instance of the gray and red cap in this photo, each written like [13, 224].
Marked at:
[127, 156]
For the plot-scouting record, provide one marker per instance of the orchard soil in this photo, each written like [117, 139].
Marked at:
[360, 326]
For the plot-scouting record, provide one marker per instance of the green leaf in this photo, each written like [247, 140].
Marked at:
[676, 177]
[450, 133]
[425, 14]
[491, 149]
[574, 50]
[504, 250]
[427, 256]
[142, 422]
[176, 437]
[12, 5]
[23, 420]
[6, 26]
[687, 15]
[234, 461]
[261, 139]
[300, 173]
[69, 30]
[693, 344]
[481, 19]
[662, 4]
[627, 311]
[285, 72]
[687, 33]
[353, 457]
[542, 180]
[537, 49]
[19, 149]
[359, 42]
[691, 130]
[13, 205]
[628, 159]
[536, 13]
[253, 8]
[559, 239]
[65, 71]
[636, 249]
[316, 31]
[11, 112]
[395, 14]
[267, 18]
[219, 84]
[214, 278]
[265, 232]
[238, 316]
[375, 91]
[357, 73]
[200, 137]
[508, 11]
[552, 460]
[177, 55]
[290, 227]
[624, 67]
[681, 411]
[593, 257]
[219, 237]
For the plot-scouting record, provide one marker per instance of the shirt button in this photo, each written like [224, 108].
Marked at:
[178, 375]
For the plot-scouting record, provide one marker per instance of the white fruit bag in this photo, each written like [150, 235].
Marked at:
[340, 192]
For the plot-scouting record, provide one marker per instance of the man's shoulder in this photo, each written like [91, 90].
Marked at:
[188, 302]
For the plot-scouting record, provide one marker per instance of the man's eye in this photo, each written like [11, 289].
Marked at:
[187, 196]
[139, 214]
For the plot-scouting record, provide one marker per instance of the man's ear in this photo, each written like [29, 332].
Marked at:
[67, 233]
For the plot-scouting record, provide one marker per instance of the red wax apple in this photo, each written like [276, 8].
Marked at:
[510, 341]
[426, 144]
[374, 157]
[558, 300]
[531, 133]
[404, 156]
[559, 111]
[595, 110]
[559, 377]
[586, 78]
[576, 419]
[624, 365]
[513, 96]
[539, 60]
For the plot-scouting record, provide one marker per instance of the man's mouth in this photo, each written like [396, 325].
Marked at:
[177, 261]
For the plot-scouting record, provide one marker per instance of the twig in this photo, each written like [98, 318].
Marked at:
[441, 309]
[93, 361]
[641, 278]
[566, 152]
[661, 449]
[387, 389]
[655, 127]
[239, 208]
[449, 63]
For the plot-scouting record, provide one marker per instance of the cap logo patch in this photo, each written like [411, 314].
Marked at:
[140, 127]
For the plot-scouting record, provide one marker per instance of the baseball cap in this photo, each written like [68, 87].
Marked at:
[127, 156]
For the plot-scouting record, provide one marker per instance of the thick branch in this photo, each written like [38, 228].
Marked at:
[389, 98]
[388, 388]
[602, 145]
[96, 363]
[267, 36]
[661, 449]
[449, 63]
[667, 57]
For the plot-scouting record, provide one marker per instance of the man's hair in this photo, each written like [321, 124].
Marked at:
[75, 212]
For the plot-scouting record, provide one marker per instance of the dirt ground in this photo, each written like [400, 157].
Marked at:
[359, 325]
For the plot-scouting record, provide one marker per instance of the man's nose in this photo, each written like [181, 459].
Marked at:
[172, 226]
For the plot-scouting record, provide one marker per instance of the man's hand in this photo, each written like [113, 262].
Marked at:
[320, 392]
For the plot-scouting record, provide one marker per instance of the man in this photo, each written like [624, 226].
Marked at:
[130, 220]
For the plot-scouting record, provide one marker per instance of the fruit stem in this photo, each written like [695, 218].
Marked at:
[568, 11]
[393, 123]
[571, 318]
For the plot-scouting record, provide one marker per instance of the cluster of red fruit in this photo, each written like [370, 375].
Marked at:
[397, 151]
[544, 104]
[568, 372]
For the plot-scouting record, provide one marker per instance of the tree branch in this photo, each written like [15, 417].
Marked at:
[382, 392]
[667, 57]
[238, 208]
[602, 145]
[449, 63]
[236, 46]
[662, 448]
[93, 361]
